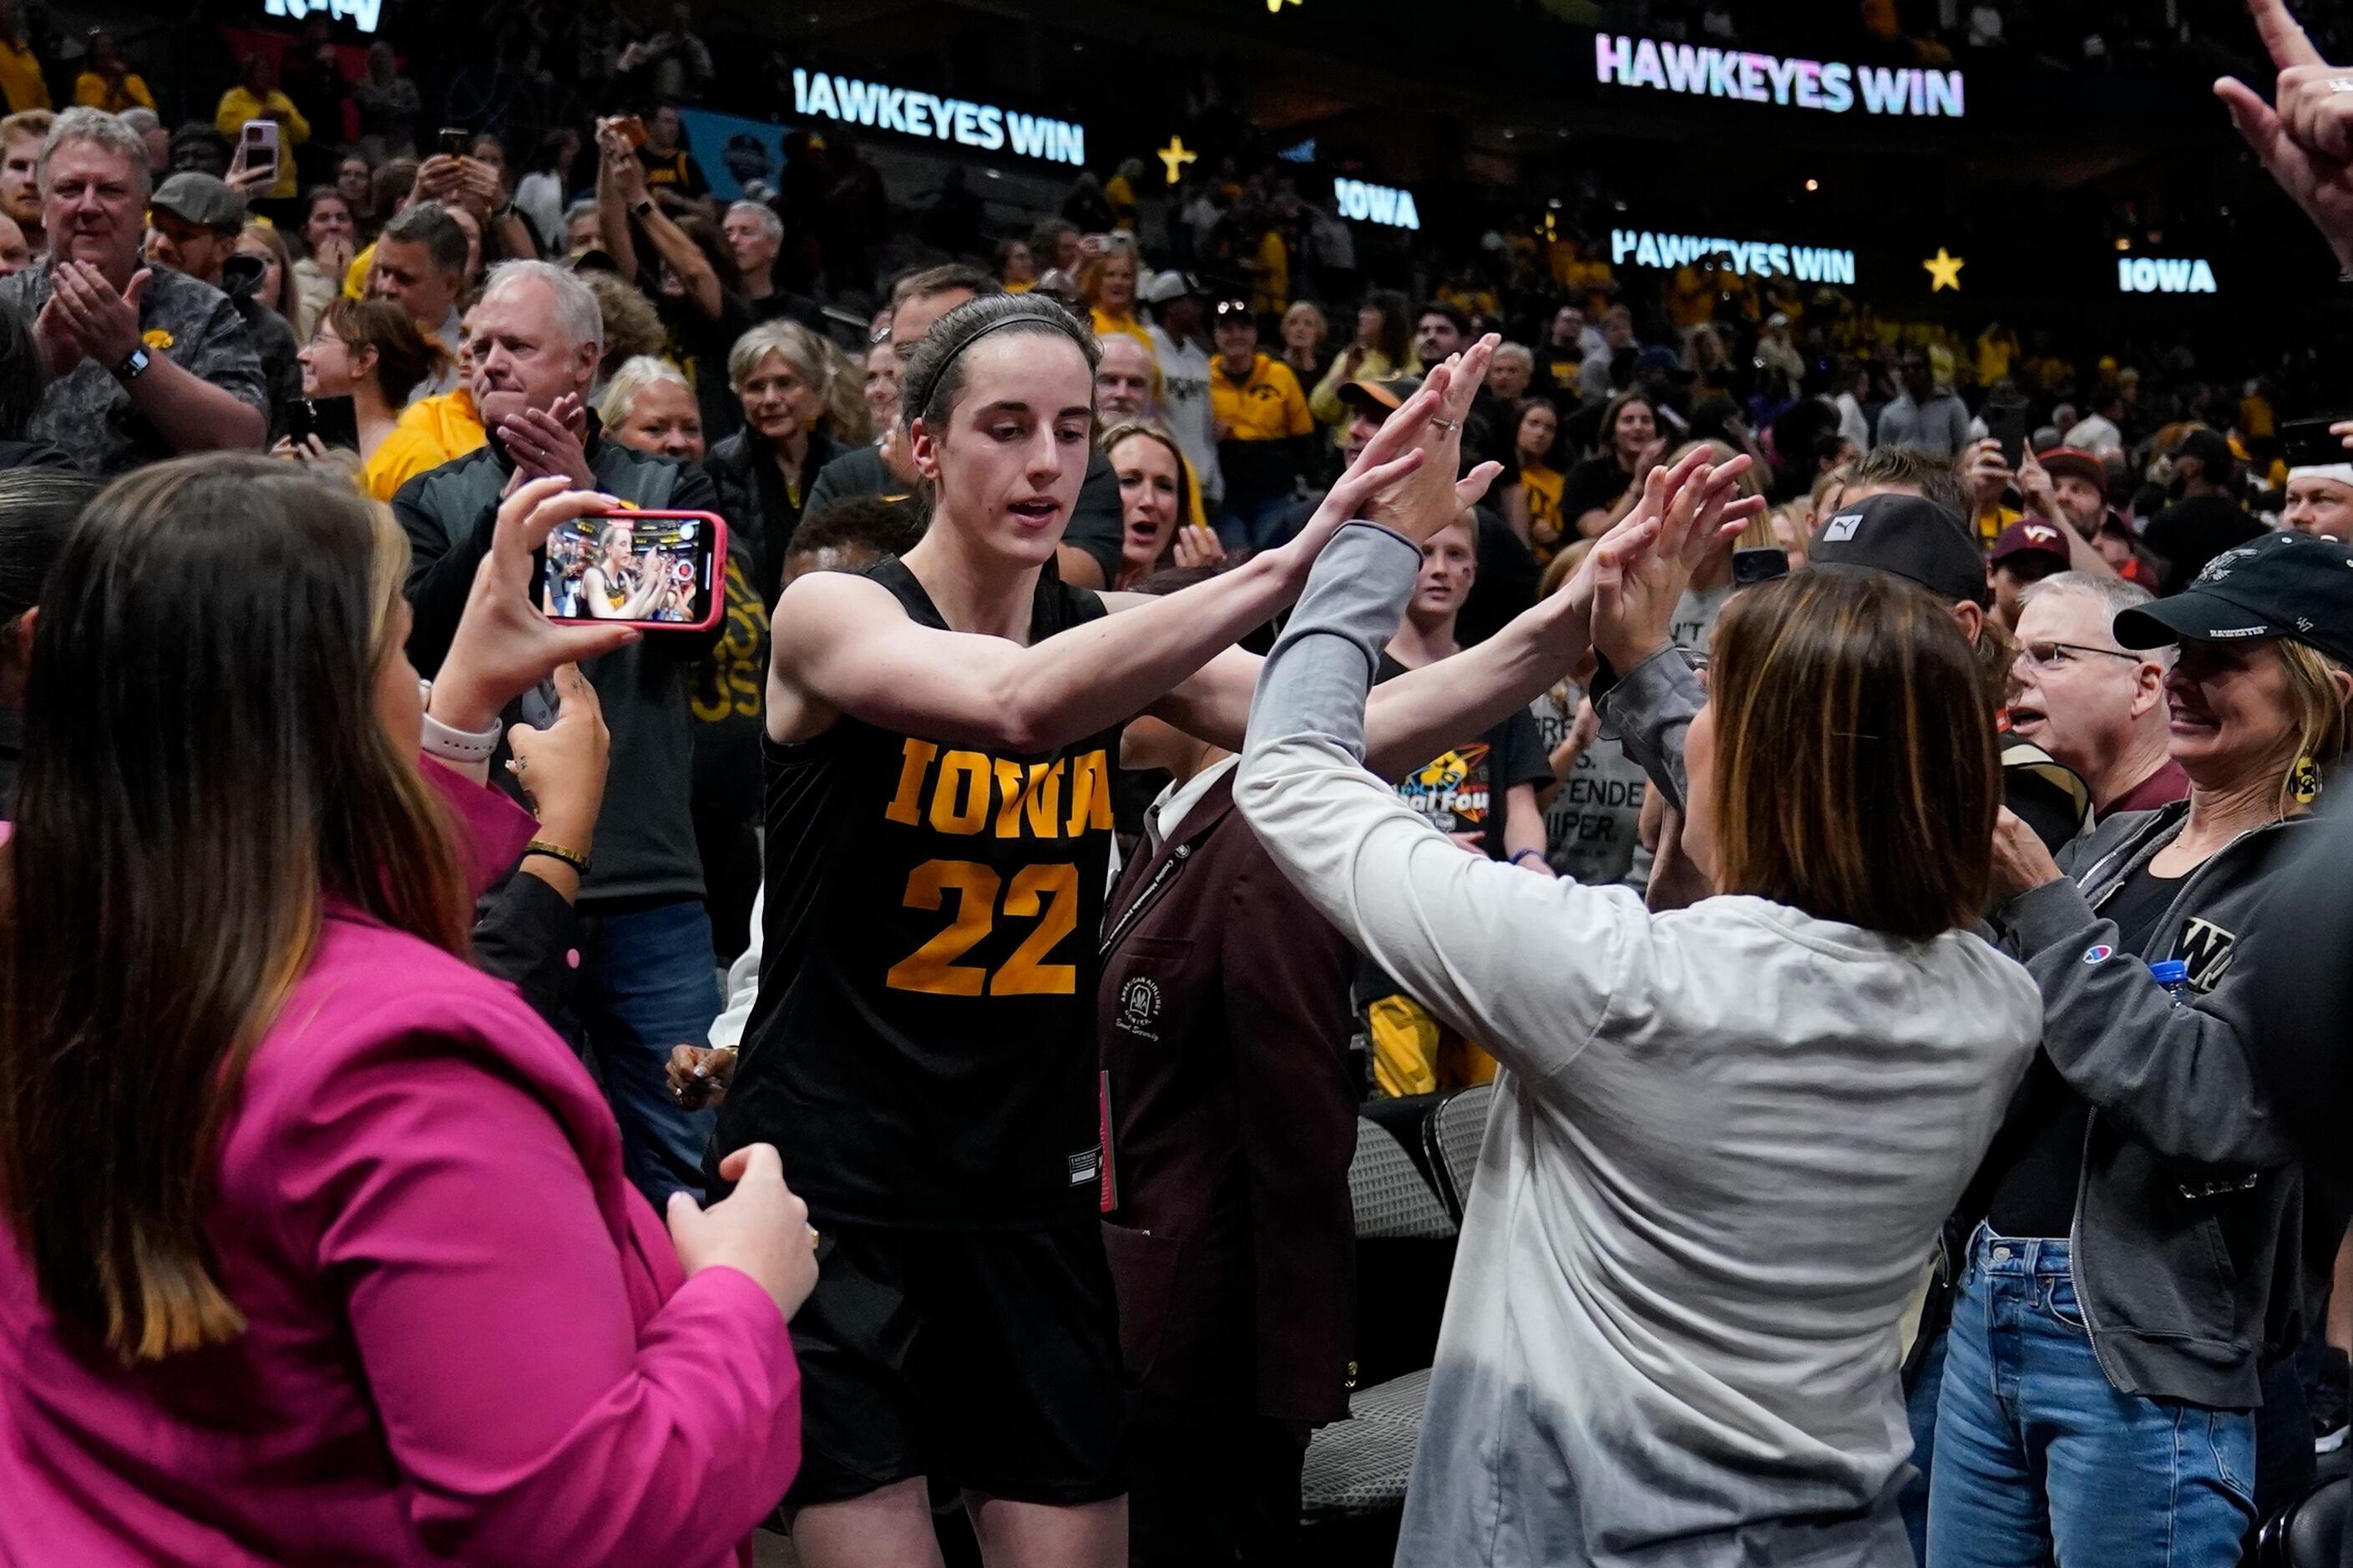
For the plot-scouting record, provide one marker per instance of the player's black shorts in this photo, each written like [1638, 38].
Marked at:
[986, 1359]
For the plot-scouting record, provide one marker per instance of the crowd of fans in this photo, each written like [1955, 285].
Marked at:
[1843, 790]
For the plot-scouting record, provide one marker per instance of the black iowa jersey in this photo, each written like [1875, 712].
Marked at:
[922, 1050]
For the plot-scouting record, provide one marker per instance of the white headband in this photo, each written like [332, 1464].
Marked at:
[2337, 473]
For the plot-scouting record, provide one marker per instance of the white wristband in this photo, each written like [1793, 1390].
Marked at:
[457, 746]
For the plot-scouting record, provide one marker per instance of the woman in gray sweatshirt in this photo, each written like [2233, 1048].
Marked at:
[1724, 1137]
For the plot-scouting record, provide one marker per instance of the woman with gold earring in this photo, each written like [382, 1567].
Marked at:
[2137, 1241]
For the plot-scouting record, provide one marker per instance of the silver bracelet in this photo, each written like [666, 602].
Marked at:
[457, 746]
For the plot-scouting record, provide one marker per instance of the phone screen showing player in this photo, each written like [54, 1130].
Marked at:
[648, 569]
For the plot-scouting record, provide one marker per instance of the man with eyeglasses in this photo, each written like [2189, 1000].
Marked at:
[2083, 697]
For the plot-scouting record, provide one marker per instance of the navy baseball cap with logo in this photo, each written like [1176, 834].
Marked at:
[2293, 586]
[1905, 536]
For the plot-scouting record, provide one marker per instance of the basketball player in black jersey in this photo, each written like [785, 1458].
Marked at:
[941, 734]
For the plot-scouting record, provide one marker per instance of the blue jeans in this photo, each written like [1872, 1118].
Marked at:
[645, 985]
[2037, 1454]
[1920, 1398]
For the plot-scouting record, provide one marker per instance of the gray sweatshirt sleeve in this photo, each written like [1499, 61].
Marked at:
[1650, 710]
[1477, 942]
[1321, 665]
[2177, 1077]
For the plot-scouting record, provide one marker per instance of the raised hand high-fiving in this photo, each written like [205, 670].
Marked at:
[1634, 576]
[2306, 140]
[1404, 478]
[1431, 497]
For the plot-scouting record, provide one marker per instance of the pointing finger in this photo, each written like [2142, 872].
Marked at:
[2282, 35]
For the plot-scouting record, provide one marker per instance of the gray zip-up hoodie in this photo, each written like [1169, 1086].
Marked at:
[2188, 1185]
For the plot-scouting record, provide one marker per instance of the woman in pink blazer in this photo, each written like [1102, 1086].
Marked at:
[319, 1246]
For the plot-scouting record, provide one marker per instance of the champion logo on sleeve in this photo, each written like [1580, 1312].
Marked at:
[2098, 952]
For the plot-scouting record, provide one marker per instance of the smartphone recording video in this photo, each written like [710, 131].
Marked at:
[2006, 423]
[645, 568]
[334, 420]
[259, 143]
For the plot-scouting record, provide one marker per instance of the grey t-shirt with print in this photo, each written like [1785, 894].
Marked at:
[1590, 820]
[1695, 614]
[87, 413]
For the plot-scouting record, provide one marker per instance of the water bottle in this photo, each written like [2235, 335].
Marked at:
[2174, 976]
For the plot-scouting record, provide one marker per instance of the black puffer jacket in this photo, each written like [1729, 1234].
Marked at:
[758, 508]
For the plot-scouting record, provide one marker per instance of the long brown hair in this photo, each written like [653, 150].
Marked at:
[1856, 772]
[204, 771]
[404, 357]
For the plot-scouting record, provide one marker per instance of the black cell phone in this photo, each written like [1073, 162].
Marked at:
[1750, 567]
[2306, 443]
[2006, 423]
[334, 420]
[453, 141]
[656, 569]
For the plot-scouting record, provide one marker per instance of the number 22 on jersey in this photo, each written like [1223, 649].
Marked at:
[972, 795]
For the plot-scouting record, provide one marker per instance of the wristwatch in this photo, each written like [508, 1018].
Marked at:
[134, 365]
[643, 207]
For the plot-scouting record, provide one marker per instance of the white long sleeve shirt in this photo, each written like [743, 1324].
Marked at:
[1722, 1148]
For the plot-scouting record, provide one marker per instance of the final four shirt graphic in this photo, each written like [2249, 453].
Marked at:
[1453, 790]
[1462, 789]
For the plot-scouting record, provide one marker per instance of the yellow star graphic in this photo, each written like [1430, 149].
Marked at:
[1177, 155]
[1273, 6]
[1944, 271]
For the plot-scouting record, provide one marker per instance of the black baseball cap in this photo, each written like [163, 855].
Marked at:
[2298, 586]
[201, 199]
[1909, 537]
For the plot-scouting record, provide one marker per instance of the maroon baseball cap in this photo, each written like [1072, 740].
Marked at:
[2057, 460]
[2030, 536]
